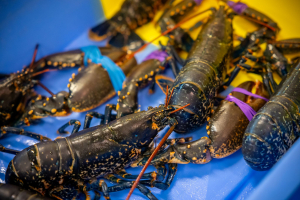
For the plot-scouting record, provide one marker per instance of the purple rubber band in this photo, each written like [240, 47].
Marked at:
[158, 55]
[241, 90]
[239, 7]
[198, 2]
[247, 110]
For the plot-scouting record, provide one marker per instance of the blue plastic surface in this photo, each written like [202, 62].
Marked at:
[289, 182]
[228, 178]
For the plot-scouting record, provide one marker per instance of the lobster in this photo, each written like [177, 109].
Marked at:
[225, 131]
[16, 91]
[203, 72]
[17, 95]
[275, 127]
[120, 28]
[58, 168]
[198, 80]
[63, 103]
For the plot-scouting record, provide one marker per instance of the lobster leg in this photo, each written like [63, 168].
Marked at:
[266, 82]
[74, 122]
[100, 185]
[252, 41]
[163, 185]
[104, 188]
[20, 131]
[270, 75]
[97, 195]
[242, 64]
[178, 140]
[173, 58]
[173, 141]
[7, 150]
[126, 185]
[160, 174]
[87, 121]
[89, 116]
[108, 116]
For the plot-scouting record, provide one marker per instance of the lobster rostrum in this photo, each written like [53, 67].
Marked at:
[93, 81]
[120, 28]
[58, 168]
[275, 127]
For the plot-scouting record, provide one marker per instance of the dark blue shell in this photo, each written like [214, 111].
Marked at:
[198, 81]
[275, 127]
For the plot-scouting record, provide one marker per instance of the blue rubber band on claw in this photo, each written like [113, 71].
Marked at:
[115, 73]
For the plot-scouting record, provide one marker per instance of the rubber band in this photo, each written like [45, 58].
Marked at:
[247, 110]
[241, 90]
[158, 55]
[115, 73]
[198, 2]
[238, 7]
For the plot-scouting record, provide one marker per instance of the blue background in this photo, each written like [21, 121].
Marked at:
[63, 25]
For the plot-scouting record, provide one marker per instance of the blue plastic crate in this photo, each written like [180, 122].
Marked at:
[62, 25]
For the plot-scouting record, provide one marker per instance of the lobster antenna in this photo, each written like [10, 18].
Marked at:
[170, 96]
[45, 88]
[43, 71]
[179, 109]
[136, 182]
[166, 100]
[34, 55]
[149, 161]
[166, 32]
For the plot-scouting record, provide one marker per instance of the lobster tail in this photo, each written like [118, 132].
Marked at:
[101, 31]
[132, 41]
